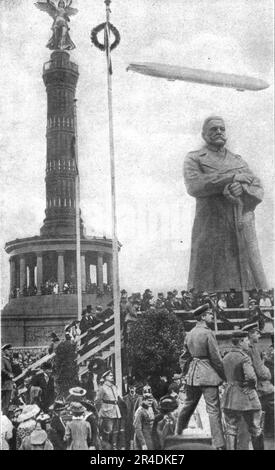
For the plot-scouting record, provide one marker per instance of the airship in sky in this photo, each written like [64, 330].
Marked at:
[206, 77]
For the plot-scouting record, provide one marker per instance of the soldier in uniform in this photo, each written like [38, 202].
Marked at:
[240, 398]
[109, 413]
[6, 377]
[204, 374]
[265, 388]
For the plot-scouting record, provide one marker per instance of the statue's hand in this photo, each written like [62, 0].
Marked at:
[236, 189]
[243, 178]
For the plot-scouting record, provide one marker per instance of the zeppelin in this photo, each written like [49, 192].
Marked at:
[206, 77]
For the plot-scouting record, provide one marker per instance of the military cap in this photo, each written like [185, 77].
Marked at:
[168, 403]
[201, 309]
[106, 373]
[251, 327]
[177, 376]
[146, 396]
[239, 334]
[146, 389]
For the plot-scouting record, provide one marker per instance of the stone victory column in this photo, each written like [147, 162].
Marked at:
[27, 319]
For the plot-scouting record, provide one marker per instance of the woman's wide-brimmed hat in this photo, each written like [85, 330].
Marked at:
[89, 405]
[43, 417]
[58, 405]
[168, 403]
[28, 412]
[77, 392]
[77, 407]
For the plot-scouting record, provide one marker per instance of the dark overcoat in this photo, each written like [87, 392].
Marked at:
[224, 236]
[6, 374]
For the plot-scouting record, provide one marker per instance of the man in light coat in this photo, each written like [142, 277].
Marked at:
[109, 413]
[240, 398]
[204, 374]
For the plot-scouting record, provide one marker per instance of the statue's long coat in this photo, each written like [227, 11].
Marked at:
[224, 252]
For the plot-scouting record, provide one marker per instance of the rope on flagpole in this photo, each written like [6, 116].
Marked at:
[107, 47]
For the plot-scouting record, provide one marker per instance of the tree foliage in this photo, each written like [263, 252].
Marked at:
[65, 367]
[155, 343]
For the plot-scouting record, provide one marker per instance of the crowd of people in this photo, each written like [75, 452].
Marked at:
[147, 414]
[52, 287]
[131, 306]
[190, 300]
[92, 416]
[238, 390]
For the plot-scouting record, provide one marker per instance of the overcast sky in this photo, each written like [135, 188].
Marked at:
[156, 123]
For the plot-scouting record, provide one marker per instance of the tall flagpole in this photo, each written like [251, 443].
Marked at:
[77, 220]
[107, 47]
[118, 368]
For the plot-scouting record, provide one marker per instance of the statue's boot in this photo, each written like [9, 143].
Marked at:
[231, 442]
[258, 442]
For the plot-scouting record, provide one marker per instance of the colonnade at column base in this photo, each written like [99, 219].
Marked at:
[43, 285]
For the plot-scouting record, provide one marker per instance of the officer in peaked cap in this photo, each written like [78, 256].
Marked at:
[202, 364]
[240, 398]
[201, 309]
[107, 402]
[252, 328]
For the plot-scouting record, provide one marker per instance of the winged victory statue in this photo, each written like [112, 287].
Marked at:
[60, 13]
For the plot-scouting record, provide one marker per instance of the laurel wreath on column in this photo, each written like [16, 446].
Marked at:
[95, 31]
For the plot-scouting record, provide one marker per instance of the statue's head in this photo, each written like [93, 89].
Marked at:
[61, 4]
[213, 131]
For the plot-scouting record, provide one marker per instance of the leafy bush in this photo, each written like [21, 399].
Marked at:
[155, 343]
